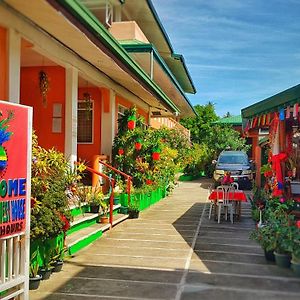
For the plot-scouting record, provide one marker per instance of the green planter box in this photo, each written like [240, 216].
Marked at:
[44, 247]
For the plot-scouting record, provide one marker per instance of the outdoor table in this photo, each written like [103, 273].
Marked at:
[238, 196]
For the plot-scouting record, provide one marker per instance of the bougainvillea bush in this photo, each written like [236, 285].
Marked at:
[150, 156]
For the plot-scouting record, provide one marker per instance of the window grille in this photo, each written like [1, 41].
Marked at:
[85, 118]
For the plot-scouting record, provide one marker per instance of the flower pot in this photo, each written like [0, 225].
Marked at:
[282, 260]
[58, 266]
[295, 267]
[94, 208]
[133, 214]
[104, 219]
[124, 210]
[269, 255]
[34, 282]
[45, 274]
[116, 201]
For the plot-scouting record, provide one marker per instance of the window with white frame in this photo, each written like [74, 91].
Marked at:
[121, 112]
[85, 121]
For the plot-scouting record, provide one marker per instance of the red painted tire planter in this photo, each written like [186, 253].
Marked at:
[138, 146]
[131, 124]
[155, 155]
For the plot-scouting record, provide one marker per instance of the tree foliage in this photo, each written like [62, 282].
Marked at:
[211, 136]
[139, 163]
[200, 125]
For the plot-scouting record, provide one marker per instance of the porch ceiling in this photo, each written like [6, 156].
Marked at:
[61, 25]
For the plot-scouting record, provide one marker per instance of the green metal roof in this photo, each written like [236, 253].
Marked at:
[177, 65]
[234, 120]
[86, 18]
[143, 47]
[175, 61]
[273, 103]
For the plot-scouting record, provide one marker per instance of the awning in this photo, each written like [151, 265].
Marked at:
[274, 103]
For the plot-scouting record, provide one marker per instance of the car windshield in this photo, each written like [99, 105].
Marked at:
[233, 159]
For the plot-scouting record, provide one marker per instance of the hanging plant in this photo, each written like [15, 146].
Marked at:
[88, 103]
[44, 86]
[131, 122]
[138, 144]
[156, 154]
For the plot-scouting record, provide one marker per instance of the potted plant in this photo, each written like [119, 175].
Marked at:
[104, 204]
[295, 262]
[118, 189]
[133, 210]
[48, 264]
[94, 197]
[34, 276]
[281, 222]
[59, 254]
[264, 235]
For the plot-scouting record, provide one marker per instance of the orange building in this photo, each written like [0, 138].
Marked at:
[79, 64]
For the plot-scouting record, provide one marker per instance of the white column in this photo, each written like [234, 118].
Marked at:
[71, 114]
[108, 125]
[14, 65]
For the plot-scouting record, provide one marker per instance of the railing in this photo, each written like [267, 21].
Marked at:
[12, 256]
[158, 122]
[128, 177]
[111, 198]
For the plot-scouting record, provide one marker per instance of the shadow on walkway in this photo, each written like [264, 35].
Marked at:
[173, 252]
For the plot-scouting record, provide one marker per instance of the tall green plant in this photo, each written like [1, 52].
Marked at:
[51, 177]
[140, 163]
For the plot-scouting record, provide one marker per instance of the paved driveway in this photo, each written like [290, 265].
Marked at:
[173, 252]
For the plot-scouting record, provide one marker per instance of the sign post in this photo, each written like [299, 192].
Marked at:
[15, 178]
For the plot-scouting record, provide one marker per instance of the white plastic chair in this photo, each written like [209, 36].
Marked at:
[223, 200]
[212, 202]
[235, 185]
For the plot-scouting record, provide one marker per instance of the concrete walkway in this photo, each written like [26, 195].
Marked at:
[173, 252]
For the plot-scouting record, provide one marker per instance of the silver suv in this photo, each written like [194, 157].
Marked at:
[238, 164]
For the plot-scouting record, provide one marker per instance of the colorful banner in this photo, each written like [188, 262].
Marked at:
[295, 110]
[14, 167]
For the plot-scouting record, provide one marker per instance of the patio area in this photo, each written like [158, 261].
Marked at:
[173, 251]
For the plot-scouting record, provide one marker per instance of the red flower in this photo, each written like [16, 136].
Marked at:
[121, 151]
[131, 124]
[149, 181]
[268, 173]
[66, 223]
[298, 224]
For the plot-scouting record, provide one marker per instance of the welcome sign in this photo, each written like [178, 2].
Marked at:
[14, 168]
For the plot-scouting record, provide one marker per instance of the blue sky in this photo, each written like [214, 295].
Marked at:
[238, 52]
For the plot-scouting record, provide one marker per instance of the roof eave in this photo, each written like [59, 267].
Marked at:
[273, 103]
[150, 47]
[87, 19]
[181, 58]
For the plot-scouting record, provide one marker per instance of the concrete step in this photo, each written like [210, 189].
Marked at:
[86, 228]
